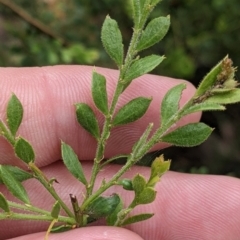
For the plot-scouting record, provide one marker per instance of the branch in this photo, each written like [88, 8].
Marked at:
[34, 22]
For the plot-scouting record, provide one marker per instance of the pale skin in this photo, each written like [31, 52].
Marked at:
[187, 206]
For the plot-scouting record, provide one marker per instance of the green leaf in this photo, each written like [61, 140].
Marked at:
[225, 97]
[158, 168]
[87, 119]
[3, 203]
[137, 10]
[103, 206]
[189, 135]
[14, 114]
[154, 32]
[139, 184]
[14, 186]
[148, 195]
[112, 40]
[209, 80]
[137, 218]
[170, 103]
[99, 92]
[204, 106]
[132, 111]
[19, 174]
[55, 210]
[142, 66]
[24, 150]
[72, 163]
[113, 217]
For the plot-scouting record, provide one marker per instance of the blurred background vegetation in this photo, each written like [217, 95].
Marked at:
[49, 32]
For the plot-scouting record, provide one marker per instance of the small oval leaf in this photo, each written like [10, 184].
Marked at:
[87, 119]
[99, 92]
[170, 103]
[72, 163]
[154, 32]
[18, 173]
[103, 206]
[24, 150]
[14, 114]
[189, 135]
[132, 111]
[112, 40]
[14, 186]
[137, 218]
[3, 203]
[158, 168]
[209, 80]
[147, 196]
[139, 184]
[55, 210]
[113, 217]
[142, 66]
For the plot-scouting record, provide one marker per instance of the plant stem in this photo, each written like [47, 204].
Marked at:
[31, 20]
[77, 213]
[24, 216]
[113, 159]
[156, 138]
[101, 143]
[28, 207]
[119, 89]
[41, 177]
[130, 161]
[141, 151]
[6, 133]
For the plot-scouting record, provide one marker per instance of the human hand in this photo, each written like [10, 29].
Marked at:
[187, 206]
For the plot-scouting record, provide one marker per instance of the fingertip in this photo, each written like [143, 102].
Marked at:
[90, 233]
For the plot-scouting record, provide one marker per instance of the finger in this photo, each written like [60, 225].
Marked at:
[48, 95]
[89, 233]
[186, 207]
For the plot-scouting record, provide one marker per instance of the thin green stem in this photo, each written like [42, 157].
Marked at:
[119, 89]
[113, 159]
[130, 56]
[98, 156]
[111, 182]
[6, 133]
[28, 207]
[122, 215]
[41, 177]
[36, 217]
[156, 138]
[136, 155]
[76, 209]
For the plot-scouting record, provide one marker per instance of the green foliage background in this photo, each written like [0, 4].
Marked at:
[202, 33]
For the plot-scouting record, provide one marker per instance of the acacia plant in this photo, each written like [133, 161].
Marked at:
[217, 89]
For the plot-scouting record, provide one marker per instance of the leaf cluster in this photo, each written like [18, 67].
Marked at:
[216, 90]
